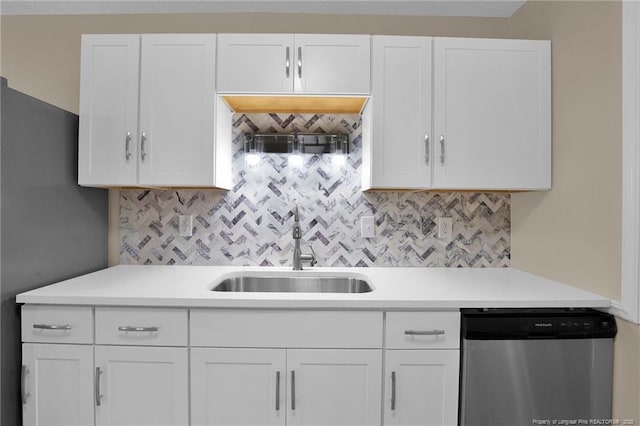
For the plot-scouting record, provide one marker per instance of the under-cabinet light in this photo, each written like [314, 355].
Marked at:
[252, 148]
[296, 143]
[293, 147]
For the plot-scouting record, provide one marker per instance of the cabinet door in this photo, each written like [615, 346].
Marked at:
[399, 146]
[177, 99]
[255, 63]
[237, 387]
[142, 386]
[333, 387]
[56, 385]
[107, 151]
[421, 387]
[492, 114]
[333, 63]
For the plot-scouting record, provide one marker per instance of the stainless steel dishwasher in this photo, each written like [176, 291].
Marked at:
[530, 366]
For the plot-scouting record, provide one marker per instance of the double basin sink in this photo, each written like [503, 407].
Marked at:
[292, 283]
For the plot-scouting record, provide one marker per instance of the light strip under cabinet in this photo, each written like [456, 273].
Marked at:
[296, 143]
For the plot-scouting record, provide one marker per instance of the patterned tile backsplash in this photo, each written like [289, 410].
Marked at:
[251, 224]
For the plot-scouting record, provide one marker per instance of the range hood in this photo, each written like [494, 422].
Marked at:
[296, 104]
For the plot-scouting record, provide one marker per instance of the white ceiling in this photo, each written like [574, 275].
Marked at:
[477, 8]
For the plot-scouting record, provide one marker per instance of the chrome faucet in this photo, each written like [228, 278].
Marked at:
[298, 257]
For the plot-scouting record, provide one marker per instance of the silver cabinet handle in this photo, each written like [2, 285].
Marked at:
[127, 146]
[97, 384]
[287, 62]
[277, 391]
[293, 390]
[393, 390]
[138, 329]
[23, 384]
[426, 148]
[424, 332]
[299, 62]
[441, 149]
[52, 327]
[143, 140]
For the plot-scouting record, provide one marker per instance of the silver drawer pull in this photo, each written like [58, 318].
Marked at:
[138, 329]
[424, 332]
[293, 390]
[97, 393]
[287, 62]
[426, 148]
[393, 391]
[52, 327]
[23, 384]
[143, 140]
[127, 147]
[277, 391]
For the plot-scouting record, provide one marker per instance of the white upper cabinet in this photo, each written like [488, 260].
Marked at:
[491, 102]
[492, 114]
[177, 104]
[287, 63]
[444, 113]
[398, 116]
[255, 63]
[331, 64]
[168, 131]
[108, 132]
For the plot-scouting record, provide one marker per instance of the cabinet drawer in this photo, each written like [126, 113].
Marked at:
[286, 329]
[141, 326]
[57, 324]
[420, 330]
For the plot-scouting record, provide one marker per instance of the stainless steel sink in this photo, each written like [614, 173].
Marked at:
[294, 284]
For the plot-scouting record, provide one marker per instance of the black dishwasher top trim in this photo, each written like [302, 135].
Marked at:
[538, 323]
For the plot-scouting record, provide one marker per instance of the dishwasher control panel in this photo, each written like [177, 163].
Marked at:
[569, 323]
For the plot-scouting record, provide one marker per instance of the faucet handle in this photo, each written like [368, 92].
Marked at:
[314, 259]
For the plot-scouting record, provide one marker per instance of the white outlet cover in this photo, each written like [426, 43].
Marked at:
[185, 225]
[445, 228]
[367, 227]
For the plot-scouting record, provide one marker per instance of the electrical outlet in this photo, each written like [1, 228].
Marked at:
[367, 227]
[445, 228]
[185, 225]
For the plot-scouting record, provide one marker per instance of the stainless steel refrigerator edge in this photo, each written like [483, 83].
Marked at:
[51, 229]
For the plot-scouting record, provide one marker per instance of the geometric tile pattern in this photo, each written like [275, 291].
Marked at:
[251, 224]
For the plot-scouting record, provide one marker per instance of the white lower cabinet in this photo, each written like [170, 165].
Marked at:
[238, 386]
[334, 387]
[216, 367]
[141, 386]
[421, 387]
[285, 386]
[56, 384]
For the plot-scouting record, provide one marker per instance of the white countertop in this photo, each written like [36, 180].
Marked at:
[394, 288]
